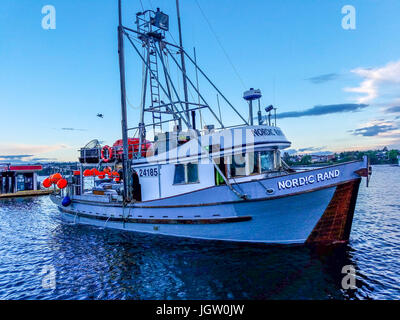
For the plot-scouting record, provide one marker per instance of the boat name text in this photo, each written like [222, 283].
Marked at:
[266, 132]
[310, 179]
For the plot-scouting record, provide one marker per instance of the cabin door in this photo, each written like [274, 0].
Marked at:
[218, 178]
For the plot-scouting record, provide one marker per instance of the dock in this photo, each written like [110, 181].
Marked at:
[28, 193]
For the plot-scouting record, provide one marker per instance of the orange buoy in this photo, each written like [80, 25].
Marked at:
[76, 173]
[87, 173]
[46, 183]
[117, 179]
[55, 177]
[95, 171]
[115, 174]
[62, 183]
[101, 175]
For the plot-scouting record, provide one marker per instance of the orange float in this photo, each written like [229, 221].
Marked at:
[101, 175]
[62, 183]
[76, 173]
[87, 173]
[46, 183]
[55, 177]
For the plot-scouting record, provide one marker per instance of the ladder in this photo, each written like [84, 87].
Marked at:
[145, 27]
[154, 86]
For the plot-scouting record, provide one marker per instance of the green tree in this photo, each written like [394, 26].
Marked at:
[286, 158]
[306, 160]
[392, 154]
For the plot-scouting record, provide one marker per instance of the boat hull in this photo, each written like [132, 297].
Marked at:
[316, 213]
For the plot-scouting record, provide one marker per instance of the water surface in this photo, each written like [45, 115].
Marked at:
[95, 263]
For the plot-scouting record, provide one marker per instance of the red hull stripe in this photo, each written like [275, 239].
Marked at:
[25, 168]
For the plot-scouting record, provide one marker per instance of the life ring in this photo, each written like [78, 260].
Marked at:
[110, 153]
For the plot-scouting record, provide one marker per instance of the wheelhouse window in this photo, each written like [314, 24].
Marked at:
[238, 165]
[186, 173]
[267, 161]
[252, 163]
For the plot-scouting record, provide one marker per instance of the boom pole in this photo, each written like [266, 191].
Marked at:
[124, 125]
[185, 89]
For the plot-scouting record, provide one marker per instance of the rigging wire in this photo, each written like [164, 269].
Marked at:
[221, 46]
[197, 87]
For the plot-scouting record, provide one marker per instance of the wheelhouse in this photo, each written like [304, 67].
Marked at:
[236, 153]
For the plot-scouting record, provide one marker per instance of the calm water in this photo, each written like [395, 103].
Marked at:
[93, 263]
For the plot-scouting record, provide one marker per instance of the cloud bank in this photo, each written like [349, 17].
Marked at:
[323, 78]
[377, 128]
[322, 110]
[72, 129]
[27, 149]
[395, 109]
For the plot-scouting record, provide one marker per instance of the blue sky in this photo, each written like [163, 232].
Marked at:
[54, 82]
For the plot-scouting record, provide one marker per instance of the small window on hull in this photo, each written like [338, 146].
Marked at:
[186, 173]
[179, 176]
[192, 172]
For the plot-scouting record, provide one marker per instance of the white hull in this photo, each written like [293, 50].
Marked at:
[286, 216]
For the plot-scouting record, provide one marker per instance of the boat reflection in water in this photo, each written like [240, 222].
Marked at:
[123, 265]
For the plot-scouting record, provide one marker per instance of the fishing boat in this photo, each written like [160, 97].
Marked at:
[191, 179]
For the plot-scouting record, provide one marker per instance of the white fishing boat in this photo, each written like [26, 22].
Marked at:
[218, 182]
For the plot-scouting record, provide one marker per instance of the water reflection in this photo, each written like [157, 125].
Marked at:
[94, 263]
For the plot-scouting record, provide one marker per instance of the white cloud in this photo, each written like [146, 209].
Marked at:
[374, 79]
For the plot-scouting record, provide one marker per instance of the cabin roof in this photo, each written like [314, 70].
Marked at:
[224, 142]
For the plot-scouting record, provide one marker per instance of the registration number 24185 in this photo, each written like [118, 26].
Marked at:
[148, 172]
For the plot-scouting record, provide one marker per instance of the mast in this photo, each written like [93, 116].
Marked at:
[124, 125]
[185, 90]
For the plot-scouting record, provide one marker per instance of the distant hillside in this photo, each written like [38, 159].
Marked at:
[383, 156]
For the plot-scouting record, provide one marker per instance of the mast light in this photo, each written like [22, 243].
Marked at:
[269, 108]
[252, 94]
[161, 20]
